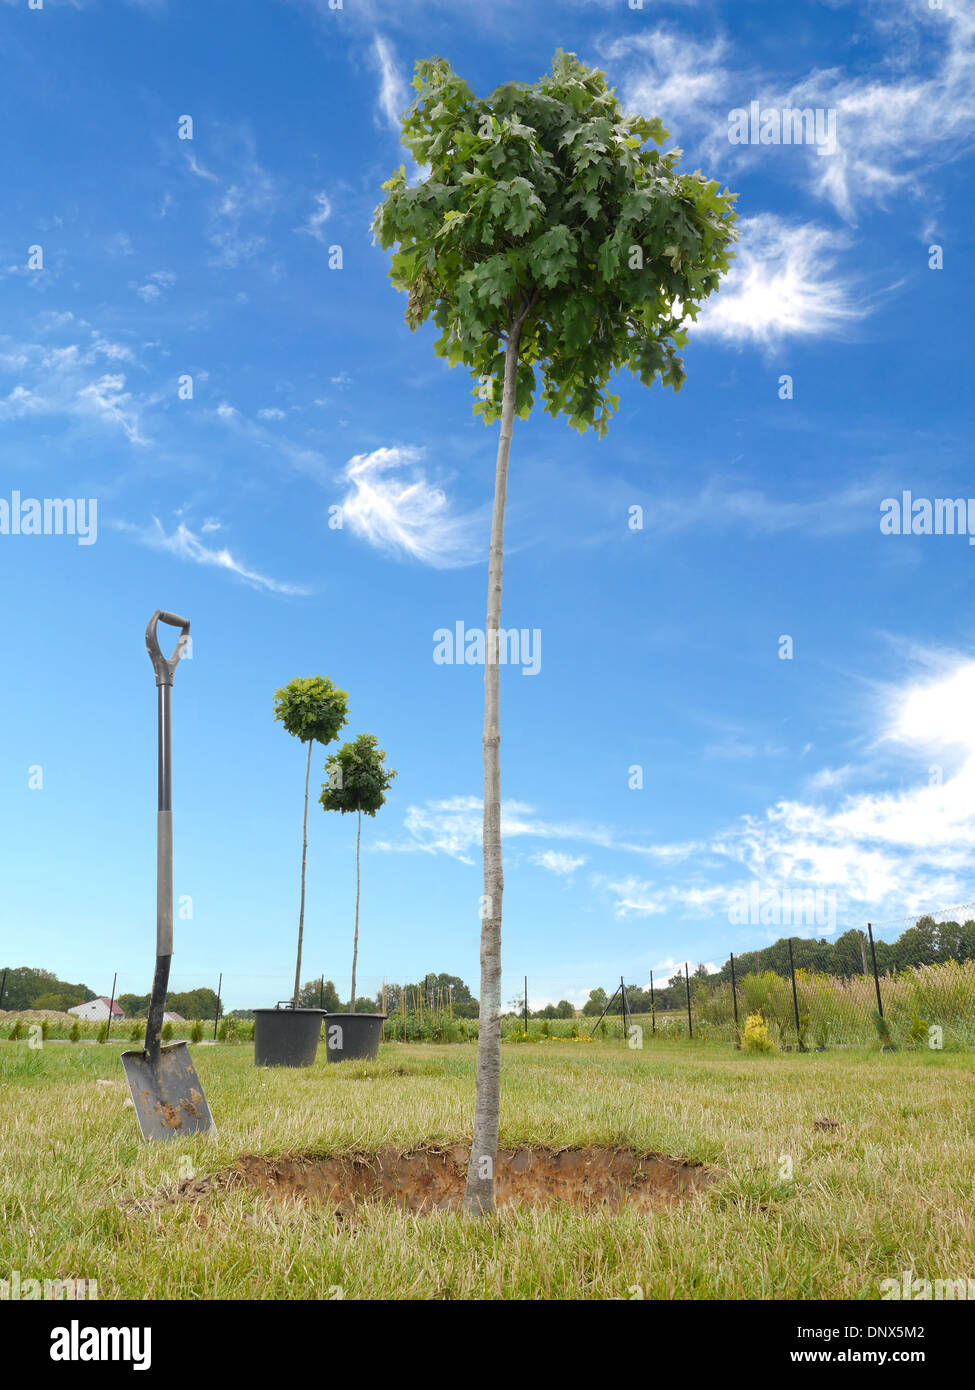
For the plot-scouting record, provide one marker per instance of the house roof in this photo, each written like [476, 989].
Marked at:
[116, 1011]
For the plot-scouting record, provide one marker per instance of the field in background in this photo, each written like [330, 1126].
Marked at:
[799, 1210]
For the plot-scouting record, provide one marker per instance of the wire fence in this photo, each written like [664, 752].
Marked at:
[864, 989]
[917, 991]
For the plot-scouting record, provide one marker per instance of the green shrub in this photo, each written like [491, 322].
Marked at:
[883, 1028]
[918, 1031]
[102, 1032]
[74, 1033]
[755, 1037]
[196, 1032]
[167, 1032]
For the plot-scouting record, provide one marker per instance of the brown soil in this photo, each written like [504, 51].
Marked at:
[432, 1179]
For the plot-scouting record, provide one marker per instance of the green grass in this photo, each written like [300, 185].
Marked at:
[890, 1189]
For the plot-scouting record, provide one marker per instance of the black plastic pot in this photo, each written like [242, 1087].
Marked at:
[286, 1037]
[353, 1037]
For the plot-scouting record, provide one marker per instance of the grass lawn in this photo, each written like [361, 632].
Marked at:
[889, 1189]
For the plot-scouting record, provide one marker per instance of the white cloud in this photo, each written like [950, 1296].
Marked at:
[186, 546]
[907, 111]
[453, 826]
[895, 126]
[883, 854]
[394, 95]
[317, 219]
[68, 379]
[155, 284]
[880, 855]
[392, 504]
[198, 169]
[238, 212]
[780, 285]
[271, 412]
[672, 75]
[109, 401]
[562, 864]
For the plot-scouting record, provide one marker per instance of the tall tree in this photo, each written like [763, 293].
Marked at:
[313, 710]
[551, 245]
[358, 781]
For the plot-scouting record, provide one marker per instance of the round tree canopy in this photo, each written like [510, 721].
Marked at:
[311, 707]
[358, 777]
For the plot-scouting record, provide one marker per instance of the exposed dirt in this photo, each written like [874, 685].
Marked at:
[432, 1179]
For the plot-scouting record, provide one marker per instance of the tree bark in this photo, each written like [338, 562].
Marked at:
[304, 857]
[355, 943]
[479, 1192]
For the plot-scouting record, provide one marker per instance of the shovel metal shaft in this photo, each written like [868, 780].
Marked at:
[164, 874]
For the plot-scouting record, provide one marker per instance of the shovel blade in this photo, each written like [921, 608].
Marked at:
[167, 1095]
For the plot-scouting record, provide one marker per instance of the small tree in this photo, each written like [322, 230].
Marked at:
[547, 240]
[358, 781]
[74, 1032]
[313, 710]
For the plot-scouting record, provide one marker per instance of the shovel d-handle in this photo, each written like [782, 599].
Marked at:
[163, 667]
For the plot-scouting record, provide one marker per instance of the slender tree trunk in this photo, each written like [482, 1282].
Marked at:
[479, 1193]
[355, 943]
[304, 857]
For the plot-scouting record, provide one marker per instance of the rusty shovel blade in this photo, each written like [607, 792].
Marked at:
[167, 1095]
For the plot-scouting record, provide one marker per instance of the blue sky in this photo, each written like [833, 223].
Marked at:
[847, 769]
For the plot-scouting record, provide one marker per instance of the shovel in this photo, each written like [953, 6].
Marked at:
[166, 1090]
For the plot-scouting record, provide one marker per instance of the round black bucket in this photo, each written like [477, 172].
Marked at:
[353, 1037]
[286, 1037]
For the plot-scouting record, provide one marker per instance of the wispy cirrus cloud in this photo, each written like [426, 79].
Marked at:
[314, 224]
[909, 108]
[243, 199]
[155, 284]
[394, 94]
[186, 545]
[782, 284]
[564, 865]
[391, 503]
[70, 378]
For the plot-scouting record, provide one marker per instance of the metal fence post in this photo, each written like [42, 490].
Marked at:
[526, 1006]
[795, 997]
[653, 1011]
[876, 977]
[734, 999]
[687, 986]
[216, 1012]
[111, 1006]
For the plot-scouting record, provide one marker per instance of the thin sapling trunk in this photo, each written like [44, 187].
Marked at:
[304, 858]
[355, 941]
[479, 1192]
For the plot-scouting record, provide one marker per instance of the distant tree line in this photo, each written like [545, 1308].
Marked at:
[27, 988]
[433, 994]
[927, 942]
[191, 1003]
